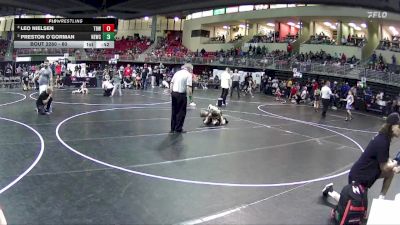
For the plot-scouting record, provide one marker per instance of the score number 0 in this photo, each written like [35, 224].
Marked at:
[108, 27]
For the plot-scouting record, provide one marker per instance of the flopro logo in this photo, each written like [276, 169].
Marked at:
[377, 14]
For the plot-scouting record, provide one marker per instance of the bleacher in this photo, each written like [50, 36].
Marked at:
[4, 44]
[46, 51]
[320, 39]
[170, 46]
[393, 45]
[128, 49]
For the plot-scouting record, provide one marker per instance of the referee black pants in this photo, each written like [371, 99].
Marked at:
[325, 105]
[179, 104]
[235, 84]
[224, 93]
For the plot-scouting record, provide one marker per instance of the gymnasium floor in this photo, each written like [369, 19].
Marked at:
[100, 160]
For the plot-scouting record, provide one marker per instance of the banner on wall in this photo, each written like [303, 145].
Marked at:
[297, 74]
[256, 75]
[78, 70]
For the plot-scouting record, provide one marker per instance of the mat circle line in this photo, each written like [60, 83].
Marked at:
[16, 101]
[35, 162]
[101, 104]
[186, 180]
[323, 125]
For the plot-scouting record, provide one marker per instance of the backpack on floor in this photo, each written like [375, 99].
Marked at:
[352, 206]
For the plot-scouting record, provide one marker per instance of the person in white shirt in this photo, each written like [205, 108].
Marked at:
[226, 83]
[181, 85]
[235, 83]
[304, 94]
[107, 87]
[326, 97]
[349, 105]
[344, 40]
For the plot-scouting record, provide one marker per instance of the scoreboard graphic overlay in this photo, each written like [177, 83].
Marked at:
[64, 33]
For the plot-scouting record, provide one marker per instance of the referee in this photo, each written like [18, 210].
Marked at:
[326, 97]
[181, 85]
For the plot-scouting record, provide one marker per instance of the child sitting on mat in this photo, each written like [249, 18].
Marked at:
[81, 90]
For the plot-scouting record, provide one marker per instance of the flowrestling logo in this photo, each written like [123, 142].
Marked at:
[377, 14]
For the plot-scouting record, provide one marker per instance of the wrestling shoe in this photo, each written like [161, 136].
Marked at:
[328, 188]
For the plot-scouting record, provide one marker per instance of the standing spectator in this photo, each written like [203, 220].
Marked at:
[152, 77]
[25, 80]
[128, 76]
[45, 77]
[53, 67]
[18, 71]
[263, 84]
[181, 83]
[374, 58]
[344, 58]
[289, 49]
[9, 70]
[156, 74]
[58, 69]
[344, 90]
[315, 85]
[145, 72]
[349, 105]
[326, 97]
[317, 97]
[117, 80]
[289, 85]
[250, 87]
[226, 83]
[344, 40]
[293, 92]
[128, 71]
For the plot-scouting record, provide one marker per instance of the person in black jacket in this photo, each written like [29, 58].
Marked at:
[145, 72]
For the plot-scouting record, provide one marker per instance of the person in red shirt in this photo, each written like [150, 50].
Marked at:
[289, 49]
[128, 71]
[58, 69]
[293, 92]
[128, 82]
[315, 86]
[344, 59]
[59, 80]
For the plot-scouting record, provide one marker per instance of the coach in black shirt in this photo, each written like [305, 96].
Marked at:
[43, 103]
[374, 162]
